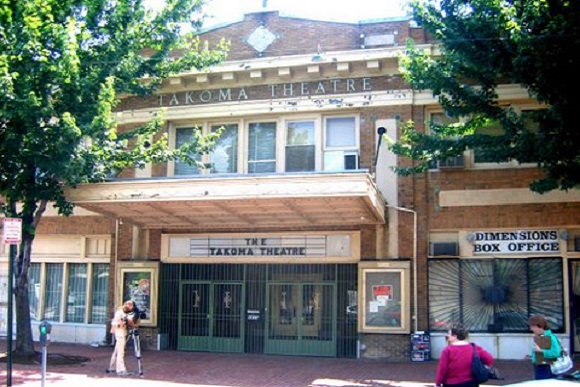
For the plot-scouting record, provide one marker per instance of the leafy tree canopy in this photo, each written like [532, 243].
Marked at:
[486, 43]
[63, 64]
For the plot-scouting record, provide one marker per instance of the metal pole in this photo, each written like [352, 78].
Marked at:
[415, 285]
[43, 367]
[11, 260]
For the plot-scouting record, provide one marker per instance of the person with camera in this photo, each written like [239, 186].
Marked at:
[125, 318]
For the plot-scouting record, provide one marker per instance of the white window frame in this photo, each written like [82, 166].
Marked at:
[281, 131]
[345, 149]
[317, 139]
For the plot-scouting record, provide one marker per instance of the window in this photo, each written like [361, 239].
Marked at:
[46, 283]
[185, 136]
[100, 294]
[76, 292]
[300, 146]
[34, 290]
[495, 295]
[53, 291]
[224, 158]
[482, 156]
[440, 118]
[340, 144]
[307, 143]
[262, 147]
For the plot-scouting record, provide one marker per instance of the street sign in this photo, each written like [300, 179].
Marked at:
[12, 231]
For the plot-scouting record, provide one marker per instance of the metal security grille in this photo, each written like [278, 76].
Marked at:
[495, 295]
[259, 308]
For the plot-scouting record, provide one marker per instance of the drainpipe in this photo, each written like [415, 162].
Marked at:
[415, 286]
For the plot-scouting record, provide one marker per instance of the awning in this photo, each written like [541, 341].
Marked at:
[240, 202]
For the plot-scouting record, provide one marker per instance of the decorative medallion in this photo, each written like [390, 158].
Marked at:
[261, 38]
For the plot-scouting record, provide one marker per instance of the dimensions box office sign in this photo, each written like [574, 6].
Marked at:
[515, 242]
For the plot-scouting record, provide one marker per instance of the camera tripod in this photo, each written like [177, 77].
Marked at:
[134, 335]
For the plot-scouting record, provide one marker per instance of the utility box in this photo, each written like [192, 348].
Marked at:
[420, 347]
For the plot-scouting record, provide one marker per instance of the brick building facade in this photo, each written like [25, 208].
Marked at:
[299, 239]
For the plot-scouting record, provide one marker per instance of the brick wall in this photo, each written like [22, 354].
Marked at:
[386, 347]
[297, 36]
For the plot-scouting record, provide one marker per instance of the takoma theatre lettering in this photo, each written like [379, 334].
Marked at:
[284, 90]
[516, 242]
[252, 247]
[261, 251]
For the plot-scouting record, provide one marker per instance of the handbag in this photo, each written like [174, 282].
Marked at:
[563, 363]
[478, 370]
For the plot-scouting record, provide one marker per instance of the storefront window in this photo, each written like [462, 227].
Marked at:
[34, 289]
[77, 292]
[75, 298]
[53, 291]
[385, 297]
[495, 295]
[100, 284]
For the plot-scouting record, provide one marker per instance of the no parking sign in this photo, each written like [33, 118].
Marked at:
[12, 231]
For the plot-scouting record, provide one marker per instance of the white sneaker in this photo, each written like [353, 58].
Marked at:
[123, 373]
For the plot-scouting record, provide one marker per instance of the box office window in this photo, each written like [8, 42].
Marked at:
[495, 295]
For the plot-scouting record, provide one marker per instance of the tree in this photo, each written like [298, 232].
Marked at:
[486, 43]
[63, 64]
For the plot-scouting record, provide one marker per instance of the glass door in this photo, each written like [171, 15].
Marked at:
[210, 317]
[301, 319]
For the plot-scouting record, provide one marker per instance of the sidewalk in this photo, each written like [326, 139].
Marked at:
[176, 369]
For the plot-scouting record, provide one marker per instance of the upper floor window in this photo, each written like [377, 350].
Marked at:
[300, 146]
[482, 158]
[262, 147]
[224, 158]
[182, 137]
[295, 144]
[340, 144]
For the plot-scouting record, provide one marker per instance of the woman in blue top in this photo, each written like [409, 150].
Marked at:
[543, 356]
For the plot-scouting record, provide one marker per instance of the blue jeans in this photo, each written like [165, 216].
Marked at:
[542, 371]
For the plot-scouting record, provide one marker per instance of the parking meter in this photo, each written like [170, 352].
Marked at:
[45, 328]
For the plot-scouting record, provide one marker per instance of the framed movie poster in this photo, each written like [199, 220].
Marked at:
[137, 281]
[384, 297]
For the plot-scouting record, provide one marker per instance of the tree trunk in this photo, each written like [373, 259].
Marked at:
[24, 340]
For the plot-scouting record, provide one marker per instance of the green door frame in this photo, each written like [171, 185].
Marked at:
[301, 343]
[209, 335]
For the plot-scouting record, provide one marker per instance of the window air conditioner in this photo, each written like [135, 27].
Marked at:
[437, 249]
[351, 161]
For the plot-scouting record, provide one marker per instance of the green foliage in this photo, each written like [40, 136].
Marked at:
[63, 64]
[484, 44]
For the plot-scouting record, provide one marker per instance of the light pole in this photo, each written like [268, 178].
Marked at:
[415, 287]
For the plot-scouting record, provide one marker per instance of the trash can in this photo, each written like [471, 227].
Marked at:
[420, 347]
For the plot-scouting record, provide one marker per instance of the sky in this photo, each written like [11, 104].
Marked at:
[352, 11]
